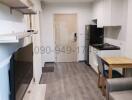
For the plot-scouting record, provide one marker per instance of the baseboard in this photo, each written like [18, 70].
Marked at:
[49, 62]
[81, 61]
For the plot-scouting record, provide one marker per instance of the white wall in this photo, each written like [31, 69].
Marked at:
[128, 47]
[128, 50]
[84, 12]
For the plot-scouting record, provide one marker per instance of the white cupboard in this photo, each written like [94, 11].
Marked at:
[92, 58]
[108, 12]
[93, 52]
[113, 12]
[98, 13]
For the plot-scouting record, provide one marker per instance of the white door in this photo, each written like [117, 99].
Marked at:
[66, 37]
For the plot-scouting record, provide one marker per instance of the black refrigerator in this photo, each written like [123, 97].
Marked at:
[93, 35]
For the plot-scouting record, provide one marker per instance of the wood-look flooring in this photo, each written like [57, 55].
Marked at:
[70, 81]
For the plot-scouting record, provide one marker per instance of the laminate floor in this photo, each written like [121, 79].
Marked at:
[70, 81]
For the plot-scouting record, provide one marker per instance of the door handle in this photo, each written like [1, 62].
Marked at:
[75, 37]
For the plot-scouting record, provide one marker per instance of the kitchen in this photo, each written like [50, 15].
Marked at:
[107, 50]
[111, 23]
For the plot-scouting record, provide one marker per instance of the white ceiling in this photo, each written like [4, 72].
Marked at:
[67, 1]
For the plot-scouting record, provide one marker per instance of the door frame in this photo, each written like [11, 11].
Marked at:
[77, 44]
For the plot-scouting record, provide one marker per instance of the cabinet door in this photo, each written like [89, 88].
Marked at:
[95, 62]
[100, 14]
[107, 12]
[90, 56]
[92, 59]
[116, 12]
[113, 12]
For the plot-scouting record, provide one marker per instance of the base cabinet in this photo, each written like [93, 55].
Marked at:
[92, 58]
[93, 52]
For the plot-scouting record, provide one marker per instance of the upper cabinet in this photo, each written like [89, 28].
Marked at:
[24, 6]
[113, 12]
[108, 12]
[98, 14]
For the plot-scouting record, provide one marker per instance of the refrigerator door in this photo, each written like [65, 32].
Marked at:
[87, 38]
[93, 35]
[96, 35]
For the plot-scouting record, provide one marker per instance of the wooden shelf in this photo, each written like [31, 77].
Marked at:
[27, 11]
[14, 3]
[19, 5]
[14, 38]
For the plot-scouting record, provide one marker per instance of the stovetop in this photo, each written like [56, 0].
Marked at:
[106, 46]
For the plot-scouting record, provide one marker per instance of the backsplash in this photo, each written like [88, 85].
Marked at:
[115, 35]
[115, 42]
[112, 32]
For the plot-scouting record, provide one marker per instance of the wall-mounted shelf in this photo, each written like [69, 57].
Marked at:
[24, 6]
[14, 38]
[27, 11]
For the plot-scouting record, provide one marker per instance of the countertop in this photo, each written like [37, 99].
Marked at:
[106, 46]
